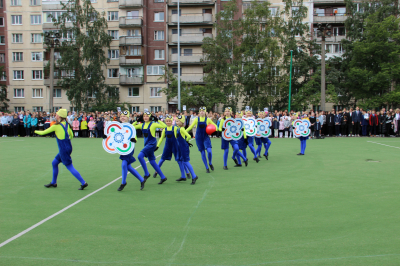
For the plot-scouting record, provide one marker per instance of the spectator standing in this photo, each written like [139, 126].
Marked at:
[27, 124]
[373, 123]
[84, 128]
[15, 125]
[356, 121]
[34, 124]
[75, 127]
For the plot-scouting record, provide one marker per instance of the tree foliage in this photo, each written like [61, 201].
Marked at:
[83, 56]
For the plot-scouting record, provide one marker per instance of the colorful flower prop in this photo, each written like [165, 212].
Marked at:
[233, 129]
[301, 128]
[263, 128]
[250, 126]
[119, 138]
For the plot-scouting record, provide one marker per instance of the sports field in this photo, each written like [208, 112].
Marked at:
[337, 205]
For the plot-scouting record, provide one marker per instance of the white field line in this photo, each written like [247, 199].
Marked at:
[384, 144]
[61, 211]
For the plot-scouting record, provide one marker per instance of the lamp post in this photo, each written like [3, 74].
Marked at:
[323, 32]
[290, 77]
[51, 40]
[179, 61]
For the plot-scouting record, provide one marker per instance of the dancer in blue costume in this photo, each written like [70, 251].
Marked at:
[171, 144]
[149, 126]
[184, 154]
[63, 135]
[202, 139]
[128, 159]
[264, 140]
[225, 143]
[303, 144]
[250, 140]
[243, 143]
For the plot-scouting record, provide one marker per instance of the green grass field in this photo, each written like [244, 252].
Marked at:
[338, 205]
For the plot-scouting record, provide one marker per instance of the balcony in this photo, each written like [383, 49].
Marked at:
[337, 39]
[130, 60]
[130, 3]
[131, 80]
[192, 19]
[52, 5]
[130, 40]
[327, 17]
[129, 22]
[191, 58]
[195, 78]
[190, 38]
[47, 81]
[191, 2]
[51, 26]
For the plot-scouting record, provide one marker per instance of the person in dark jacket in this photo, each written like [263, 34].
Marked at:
[338, 122]
[100, 127]
[330, 121]
[15, 125]
[364, 123]
[313, 119]
[356, 121]
[373, 123]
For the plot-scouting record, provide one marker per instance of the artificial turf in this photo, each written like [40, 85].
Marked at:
[337, 205]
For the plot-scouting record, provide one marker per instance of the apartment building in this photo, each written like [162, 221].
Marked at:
[3, 45]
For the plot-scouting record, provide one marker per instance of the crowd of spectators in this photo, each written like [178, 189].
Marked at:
[343, 123]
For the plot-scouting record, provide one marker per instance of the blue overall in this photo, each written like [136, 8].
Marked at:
[303, 143]
[235, 145]
[184, 155]
[150, 143]
[202, 139]
[64, 156]
[128, 158]
[203, 142]
[64, 147]
[171, 146]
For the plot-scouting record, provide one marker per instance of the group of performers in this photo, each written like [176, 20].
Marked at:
[176, 143]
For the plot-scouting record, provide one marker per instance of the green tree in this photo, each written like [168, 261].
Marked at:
[83, 56]
[3, 96]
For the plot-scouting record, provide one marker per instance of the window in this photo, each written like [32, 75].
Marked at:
[158, 1]
[37, 56]
[134, 72]
[159, 16]
[2, 58]
[17, 38]
[35, 2]
[155, 70]
[48, 16]
[3, 76]
[37, 108]
[175, 31]
[175, 11]
[18, 56]
[275, 71]
[187, 52]
[133, 92]
[37, 74]
[37, 93]
[159, 54]
[1, 22]
[19, 93]
[339, 31]
[132, 14]
[295, 10]
[133, 33]
[56, 93]
[113, 93]
[36, 38]
[56, 108]
[155, 92]
[36, 19]
[274, 11]
[133, 50]
[113, 34]
[2, 40]
[159, 35]
[155, 109]
[19, 109]
[18, 74]
[175, 71]
[16, 19]
[113, 54]
[134, 109]
[112, 15]
[1, 3]
[113, 72]
[15, 2]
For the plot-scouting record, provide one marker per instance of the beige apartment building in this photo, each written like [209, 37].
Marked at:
[145, 37]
